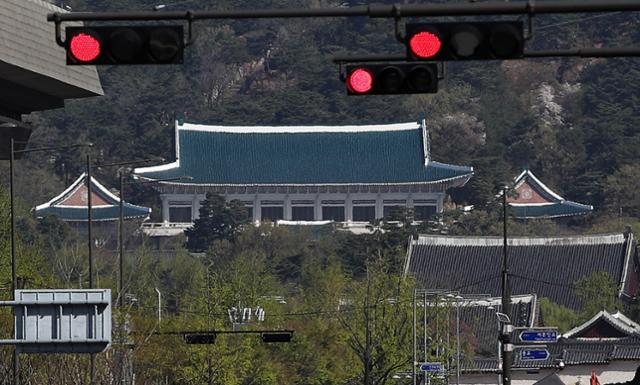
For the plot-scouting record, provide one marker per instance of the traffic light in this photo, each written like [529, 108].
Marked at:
[465, 41]
[200, 338]
[379, 79]
[160, 44]
[277, 336]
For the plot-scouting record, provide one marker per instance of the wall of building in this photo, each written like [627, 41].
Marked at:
[617, 371]
[356, 205]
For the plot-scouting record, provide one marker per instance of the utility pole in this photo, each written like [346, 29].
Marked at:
[507, 327]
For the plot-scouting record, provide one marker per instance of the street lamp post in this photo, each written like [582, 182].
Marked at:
[14, 274]
[507, 347]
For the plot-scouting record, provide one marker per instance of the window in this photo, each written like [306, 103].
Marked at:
[333, 213]
[388, 210]
[272, 213]
[302, 213]
[364, 213]
[424, 213]
[180, 214]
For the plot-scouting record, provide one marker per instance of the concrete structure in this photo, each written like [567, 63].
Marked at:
[304, 174]
[33, 71]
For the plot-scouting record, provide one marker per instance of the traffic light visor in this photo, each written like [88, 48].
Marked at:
[425, 44]
[85, 46]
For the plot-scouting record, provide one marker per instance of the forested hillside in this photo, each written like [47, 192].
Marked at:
[573, 122]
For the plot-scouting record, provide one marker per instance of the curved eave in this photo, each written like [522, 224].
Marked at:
[549, 211]
[157, 173]
[99, 214]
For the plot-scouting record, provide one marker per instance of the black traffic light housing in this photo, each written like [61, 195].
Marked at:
[158, 44]
[389, 79]
[465, 41]
[200, 338]
[284, 336]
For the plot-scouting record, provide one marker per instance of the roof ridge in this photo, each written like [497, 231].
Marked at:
[439, 240]
[299, 129]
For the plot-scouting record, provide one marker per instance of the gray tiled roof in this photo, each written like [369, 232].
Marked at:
[548, 267]
[29, 55]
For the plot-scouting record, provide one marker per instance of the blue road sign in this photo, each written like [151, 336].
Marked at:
[539, 335]
[431, 367]
[534, 354]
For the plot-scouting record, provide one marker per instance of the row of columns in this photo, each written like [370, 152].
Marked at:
[287, 205]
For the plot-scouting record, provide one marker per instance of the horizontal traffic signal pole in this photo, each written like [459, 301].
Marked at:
[586, 52]
[572, 52]
[373, 10]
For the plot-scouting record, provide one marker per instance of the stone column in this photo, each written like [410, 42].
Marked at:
[165, 208]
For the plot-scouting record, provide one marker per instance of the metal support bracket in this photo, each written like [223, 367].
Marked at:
[399, 36]
[190, 37]
[58, 32]
[531, 8]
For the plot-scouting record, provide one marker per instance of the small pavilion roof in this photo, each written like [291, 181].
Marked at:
[388, 154]
[534, 199]
[71, 204]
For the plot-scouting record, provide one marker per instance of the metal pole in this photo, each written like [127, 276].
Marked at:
[14, 276]
[424, 318]
[121, 243]
[373, 10]
[506, 299]
[90, 242]
[159, 306]
[415, 354]
[457, 341]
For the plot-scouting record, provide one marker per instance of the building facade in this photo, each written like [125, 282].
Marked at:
[304, 174]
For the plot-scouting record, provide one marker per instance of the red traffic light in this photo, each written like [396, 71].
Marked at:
[390, 79]
[425, 44]
[153, 44]
[84, 47]
[484, 40]
[360, 81]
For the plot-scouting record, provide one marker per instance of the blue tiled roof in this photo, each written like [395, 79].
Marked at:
[303, 156]
[554, 210]
[110, 213]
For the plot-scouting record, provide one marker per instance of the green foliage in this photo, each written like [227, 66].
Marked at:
[219, 220]
[597, 292]
[557, 315]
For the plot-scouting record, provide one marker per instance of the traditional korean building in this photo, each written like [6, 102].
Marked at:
[533, 199]
[546, 266]
[71, 205]
[350, 174]
[608, 343]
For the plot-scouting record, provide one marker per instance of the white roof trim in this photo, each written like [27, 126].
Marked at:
[62, 194]
[298, 129]
[162, 167]
[436, 240]
[533, 204]
[618, 320]
[544, 187]
[77, 184]
[463, 176]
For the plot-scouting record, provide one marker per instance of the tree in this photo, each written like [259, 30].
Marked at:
[219, 220]
[377, 320]
[597, 292]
